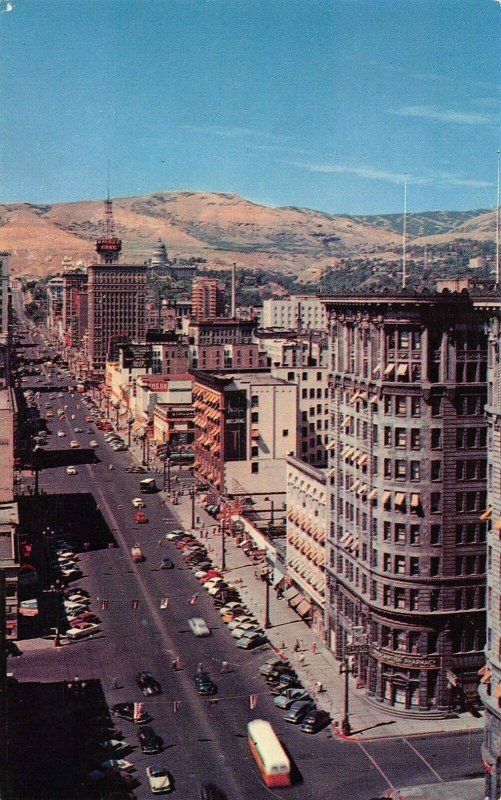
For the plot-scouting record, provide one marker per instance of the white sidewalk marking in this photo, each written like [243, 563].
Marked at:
[423, 759]
[379, 769]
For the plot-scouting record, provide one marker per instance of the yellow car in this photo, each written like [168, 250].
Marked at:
[229, 616]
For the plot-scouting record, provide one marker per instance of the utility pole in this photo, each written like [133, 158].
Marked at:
[345, 670]
[193, 506]
[223, 545]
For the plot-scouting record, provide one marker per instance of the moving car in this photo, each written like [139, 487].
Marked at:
[316, 721]
[71, 471]
[149, 741]
[137, 502]
[198, 626]
[126, 711]
[93, 443]
[81, 633]
[298, 711]
[61, 434]
[136, 468]
[204, 683]
[137, 553]
[166, 563]
[148, 684]
[158, 779]
[140, 518]
[74, 444]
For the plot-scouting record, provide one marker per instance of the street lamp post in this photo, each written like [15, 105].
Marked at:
[129, 429]
[345, 670]
[223, 545]
[193, 506]
[265, 576]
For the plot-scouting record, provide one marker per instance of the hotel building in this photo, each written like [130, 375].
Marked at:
[407, 483]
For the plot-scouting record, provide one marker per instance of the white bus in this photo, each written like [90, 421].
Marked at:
[270, 756]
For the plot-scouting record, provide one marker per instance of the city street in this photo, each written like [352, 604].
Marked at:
[202, 741]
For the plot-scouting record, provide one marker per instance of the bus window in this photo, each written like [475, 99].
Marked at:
[270, 756]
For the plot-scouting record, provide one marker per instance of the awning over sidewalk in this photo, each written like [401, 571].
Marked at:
[290, 593]
[295, 601]
[304, 609]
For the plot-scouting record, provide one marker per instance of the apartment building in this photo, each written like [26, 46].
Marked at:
[490, 673]
[305, 542]
[208, 299]
[244, 431]
[74, 285]
[407, 506]
[4, 297]
[298, 313]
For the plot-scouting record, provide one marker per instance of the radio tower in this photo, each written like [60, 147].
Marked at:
[108, 246]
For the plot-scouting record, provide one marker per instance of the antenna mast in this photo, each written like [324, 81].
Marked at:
[108, 247]
[404, 239]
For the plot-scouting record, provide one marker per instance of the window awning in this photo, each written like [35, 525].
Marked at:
[363, 459]
[346, 422]
[364, 396]
[363, 489]
[487, 514]
[254, 433]
[331, 472]
[331, 445]
[345, 449]
[497, 692]
[377, 368]
[386, 497]
[403, 369]
[497, 525]
[356, 455]
[355, 397]
[372, 494]
[389, 369]
[291, 592]
[349, 452]
[349, 541]
[373, 399]
[399, 499]
[415, 501]
[486, 677]
[355, 485]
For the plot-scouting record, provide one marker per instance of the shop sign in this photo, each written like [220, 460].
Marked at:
[404, 660]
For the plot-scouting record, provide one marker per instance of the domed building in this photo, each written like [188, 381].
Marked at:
[159, 263]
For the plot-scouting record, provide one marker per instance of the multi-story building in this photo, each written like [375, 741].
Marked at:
[4, 297]
[305, 362]
[169, 352]
[299, 312]
[116, 304]
[490, 680]
[208, 300]
[74, 285]
[305, 543]
[244, 431]
[54, 302]
[224, 344]
[408, 513]
[159, 264]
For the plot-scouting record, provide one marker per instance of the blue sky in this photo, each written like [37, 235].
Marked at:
[323, 104]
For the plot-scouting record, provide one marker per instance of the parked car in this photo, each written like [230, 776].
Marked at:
[252, 639]
[159, 779]
[233, 613]
[175, 535]
[298, 711]
[316, 721]
[204, 683]
[126, 711]
[148, 684]
[239, 631]
[240, 620]
[198, 626]
[82, 633]
[86, 616]
[149, 741]
[290, 696]
[287, 680]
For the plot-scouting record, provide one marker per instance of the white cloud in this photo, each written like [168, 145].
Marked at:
[442, 115]
[376, 174]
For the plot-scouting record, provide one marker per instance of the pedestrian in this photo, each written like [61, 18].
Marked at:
[175, 664]
[301, 660]
[313, 647]
[297, 646]
[224, 666]
[320, 687]
[115, 684]
[200, 667]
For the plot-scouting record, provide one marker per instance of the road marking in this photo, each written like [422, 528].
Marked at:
[379, 769]
[423, 759]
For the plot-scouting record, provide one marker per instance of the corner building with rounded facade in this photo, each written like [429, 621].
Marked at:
[406, 545]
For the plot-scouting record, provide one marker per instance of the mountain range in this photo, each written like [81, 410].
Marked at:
[221, 229]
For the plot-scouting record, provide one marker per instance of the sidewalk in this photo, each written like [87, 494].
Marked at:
[314, 663]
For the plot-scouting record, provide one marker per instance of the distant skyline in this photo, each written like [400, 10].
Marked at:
[322, 104]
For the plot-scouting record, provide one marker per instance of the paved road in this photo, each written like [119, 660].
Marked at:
[203, 742]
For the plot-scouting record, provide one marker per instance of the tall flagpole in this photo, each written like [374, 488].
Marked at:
[404, 239]
[497, 228]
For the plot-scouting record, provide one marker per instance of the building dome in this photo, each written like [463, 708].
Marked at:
[159, 259]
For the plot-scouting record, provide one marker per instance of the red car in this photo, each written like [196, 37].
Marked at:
[86, 616]
[89, 419]
[81, 624]
[140, 518]
[187, 541]
[212, 573]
